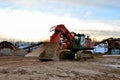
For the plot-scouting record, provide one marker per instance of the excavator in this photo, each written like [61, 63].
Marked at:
[66, 45]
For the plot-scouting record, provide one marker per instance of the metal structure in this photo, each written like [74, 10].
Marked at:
[112, 44]
[6, 44]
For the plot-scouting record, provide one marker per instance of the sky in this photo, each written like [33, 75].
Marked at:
[31, 20]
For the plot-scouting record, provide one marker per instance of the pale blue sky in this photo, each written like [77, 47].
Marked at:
[101, 11]
[81, 16]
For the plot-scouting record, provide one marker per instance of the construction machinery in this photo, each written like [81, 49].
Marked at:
[10, 49]
[6, 44]
[111, 44]
[66, 45]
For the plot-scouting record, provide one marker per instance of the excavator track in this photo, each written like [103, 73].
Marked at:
[83, 54]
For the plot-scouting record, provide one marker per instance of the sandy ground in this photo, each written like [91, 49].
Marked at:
[21, 68]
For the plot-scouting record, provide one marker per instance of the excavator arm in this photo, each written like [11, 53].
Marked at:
[61, 30]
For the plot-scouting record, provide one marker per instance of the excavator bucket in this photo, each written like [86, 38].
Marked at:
[47, 52]
[50, 52]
